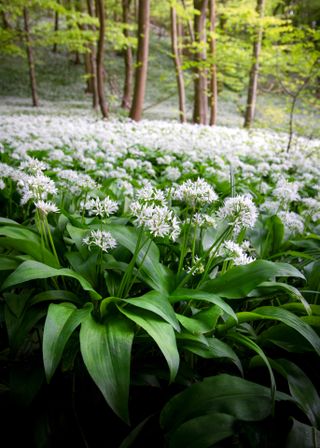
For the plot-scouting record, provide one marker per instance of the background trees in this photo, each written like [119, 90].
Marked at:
[216, 46]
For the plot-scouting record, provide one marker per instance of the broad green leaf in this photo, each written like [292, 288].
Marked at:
[106, 352]
[130, 439]
[223, 393]
[31, 248]
[290, 319]
[301, 389]
[77, 236]
[285, 337]
[185, 294]
[239, 281]
[202, 322]
[302, 435]
[33, 270]
[158, 304]
[203, 431]
[8, 263]
[19, 233]
[155, 274]
[161, 332]
[247, 342]
[268, 288]
[55, 295]
[60, 323]
[214, 348]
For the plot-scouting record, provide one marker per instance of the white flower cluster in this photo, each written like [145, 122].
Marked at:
[100, 238]
[286, 191]
[236, 252]
[159, 220]
[195, 192]
[239, 211]
[100, 207]
[46, 207]
[36, 187]
[293, 222]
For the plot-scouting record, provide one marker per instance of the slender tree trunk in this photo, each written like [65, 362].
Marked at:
[200, 82]
[93, 62]
[142, 60]
[32, 74]
[5, 20]
[177, 62]
[213, 67]
[253, 78]
[127, 89]
[56, 28]
[190, 28]
[100, 58]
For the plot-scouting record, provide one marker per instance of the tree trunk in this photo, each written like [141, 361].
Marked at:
[213, 67]
[200, 82]
[142, 60]
[127, 89]
[56, 28]
[5, 20]
[253, 78]
[32, 74]
[190, 29]
[100, 58]
[93, 63]
[177, 61]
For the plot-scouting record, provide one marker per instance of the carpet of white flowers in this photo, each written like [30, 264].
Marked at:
[106, 167]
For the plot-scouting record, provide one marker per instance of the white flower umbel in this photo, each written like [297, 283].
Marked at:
[36, 187]
[195, 192]
[172, 173]
[100, 238]
[293, 223]
[150, 194]
[286, 191]
[236, 252]
[159, 220]
[33, 166]
[239, 211]
[46, 207]
[100, 207]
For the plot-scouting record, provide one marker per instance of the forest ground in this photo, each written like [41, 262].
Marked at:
[61, 86]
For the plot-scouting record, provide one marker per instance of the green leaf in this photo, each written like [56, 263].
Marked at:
[247, 342]
[60, 323]
[203, 431]
[185, 294]
[55, 295]
[225, 394]
[8, 263]
[155, 274]
[214, 349]
[130, 439]
[31, 248]
[239, 281]
[202, 322]
[33, 270]
[301, 389]
[290, 319]
[270, 288]
[158, 304]
[106, 352]
[77, 236]
[302, 435]
[161, 332]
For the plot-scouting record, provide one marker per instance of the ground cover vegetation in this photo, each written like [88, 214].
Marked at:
[174, 265]
[159, 281]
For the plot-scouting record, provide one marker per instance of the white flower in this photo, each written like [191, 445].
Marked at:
[36, 187]
[130, 164]
[172, 173]
[159, 220]
[150, 194]
[293, 223]
[239, 211]
[286, 191]
[46, 207]
[195, 192]
[100, 207]
[233, 251]
[100, 238]
[2, 185]
[33, 166]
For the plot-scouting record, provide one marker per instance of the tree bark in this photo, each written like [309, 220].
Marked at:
[127, 89]
[200, 109]
[93, 62]
[100, 59]
[177, 61]
[56, 28]
[213, 66]
[253, 78]
[32, 74]
[142, 60]
[190, 29]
